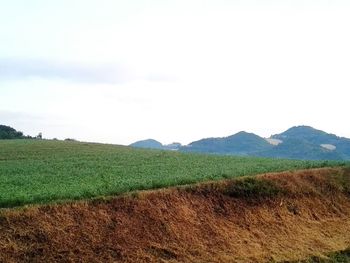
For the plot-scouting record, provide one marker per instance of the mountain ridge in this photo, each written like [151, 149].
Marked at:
[154, 144]
[297, 142]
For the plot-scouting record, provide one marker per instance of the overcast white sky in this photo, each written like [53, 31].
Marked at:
[119, 71]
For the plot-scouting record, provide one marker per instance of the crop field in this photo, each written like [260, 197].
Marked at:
[44, 171]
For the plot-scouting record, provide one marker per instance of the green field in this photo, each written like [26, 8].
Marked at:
[43, 171]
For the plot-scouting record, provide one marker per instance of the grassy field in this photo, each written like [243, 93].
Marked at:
[40, 171]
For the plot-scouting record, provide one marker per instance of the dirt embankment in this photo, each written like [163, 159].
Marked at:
[273, 217]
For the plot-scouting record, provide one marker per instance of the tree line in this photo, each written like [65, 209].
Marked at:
[7, 132]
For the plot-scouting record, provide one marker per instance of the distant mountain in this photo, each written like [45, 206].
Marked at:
[241, 143]
[149, 143]
[303, 150]
[307, 133]
[299, 142]
[153, 144]
[301, 138]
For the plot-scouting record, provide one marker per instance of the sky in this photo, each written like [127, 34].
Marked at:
[120, 71]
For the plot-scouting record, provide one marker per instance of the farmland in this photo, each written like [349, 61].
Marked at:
[299, 216]
[44, 171]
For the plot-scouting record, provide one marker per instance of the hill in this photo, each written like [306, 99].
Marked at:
[241, 143]
[292, 148]
[323, 143]
[42, 171]
[306, 133]
[149, 143]
[283, 217]
[299, 142]
[153, 144]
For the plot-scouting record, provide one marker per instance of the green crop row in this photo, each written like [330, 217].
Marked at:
[43, 171]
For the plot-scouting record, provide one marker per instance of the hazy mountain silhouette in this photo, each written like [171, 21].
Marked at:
[153, 144]
[299, 142]
[241, 143]
[149, 143]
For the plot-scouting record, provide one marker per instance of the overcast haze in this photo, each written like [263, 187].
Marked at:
[121, 71]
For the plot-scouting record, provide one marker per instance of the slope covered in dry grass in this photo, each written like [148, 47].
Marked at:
[273, 217]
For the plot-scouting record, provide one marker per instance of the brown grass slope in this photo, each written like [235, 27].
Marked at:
[273, 217]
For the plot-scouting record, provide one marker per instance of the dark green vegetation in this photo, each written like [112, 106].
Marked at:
[253, 188]
[301, 142]
[298, 149]
[241, 143]
[336, 257]
[7, 132]
[41, 171]
[305, 141]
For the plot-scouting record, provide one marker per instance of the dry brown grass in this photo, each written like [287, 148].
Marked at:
[311, 216]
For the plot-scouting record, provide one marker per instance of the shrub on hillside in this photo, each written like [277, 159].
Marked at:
[252, 188]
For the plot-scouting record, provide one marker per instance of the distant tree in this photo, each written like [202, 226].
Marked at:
[7, 132]
[39, 136]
